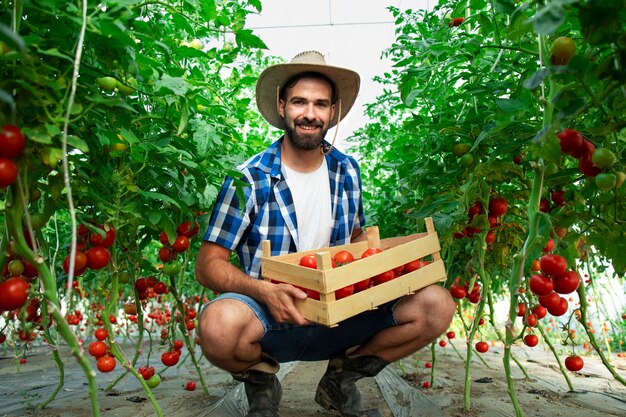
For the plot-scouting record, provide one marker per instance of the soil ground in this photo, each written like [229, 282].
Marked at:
[397, 391]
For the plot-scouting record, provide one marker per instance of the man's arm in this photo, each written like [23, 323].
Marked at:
[214, 271]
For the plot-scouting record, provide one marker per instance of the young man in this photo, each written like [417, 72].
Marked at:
[303, 195]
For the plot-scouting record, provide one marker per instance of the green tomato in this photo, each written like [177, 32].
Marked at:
[467, 160]
[127, 89]
[603, 158]
[460, 149]
[15, 267]
[106, 83]
[123, 277]
[171, 268]
[606, 181]
[154, 381]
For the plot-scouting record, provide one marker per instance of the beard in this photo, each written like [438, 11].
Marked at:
[305, 141]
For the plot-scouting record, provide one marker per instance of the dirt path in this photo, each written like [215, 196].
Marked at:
[398, 390]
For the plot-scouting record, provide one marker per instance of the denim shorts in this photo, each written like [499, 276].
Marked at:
[288, 342]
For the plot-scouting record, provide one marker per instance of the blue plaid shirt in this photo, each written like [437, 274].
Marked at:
[269, 212]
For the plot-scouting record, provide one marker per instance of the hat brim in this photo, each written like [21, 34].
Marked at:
[347, 83]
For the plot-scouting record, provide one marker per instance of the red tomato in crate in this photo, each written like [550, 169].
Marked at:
[308, 261]
[344, 292]
[343, 257]
[384, 277]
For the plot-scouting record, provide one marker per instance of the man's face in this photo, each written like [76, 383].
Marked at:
[307, 111]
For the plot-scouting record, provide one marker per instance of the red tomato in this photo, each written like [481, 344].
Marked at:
[498, 206]
[314, 295]
[457, 21]
[475, 209]
[190, 386]
[442, 343]
[187, 229]
[574, 363]
[163, 238]
[553, 265]
[97, 349]
[384, 277]
[539, 311]
[13, 293]
[344, 292]
[8, 172]
[343, 257]
[450, 335]
[178, 344]
[370, 252]
[571, 140]
[544, 205]
[160, 288]
[550, 300]
[169, 358]
[586, 148]
[107, 241]
[521, 310]
[414, 265]
[80, 263]
[457, 291]
[165, 254]
[586, 167]
[531, 340]
[541, 285]
[549, 246]
[97, 257]
[490, 237]
[531, 320]
[106, 363]
[308, 261]
[12, 142]
[362, 285]
[181, 244]
[558, 197]
[482, 347]
[101, 334]
[560, 308]
[567, 282]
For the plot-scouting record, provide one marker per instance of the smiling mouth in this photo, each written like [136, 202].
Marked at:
[309, 128]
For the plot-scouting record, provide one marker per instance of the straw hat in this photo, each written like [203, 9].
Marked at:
[274, 77]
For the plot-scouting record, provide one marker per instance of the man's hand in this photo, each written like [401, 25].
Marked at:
[280, 300]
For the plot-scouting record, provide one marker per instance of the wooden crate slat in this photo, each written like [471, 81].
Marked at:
[326, 280]
[330, 314]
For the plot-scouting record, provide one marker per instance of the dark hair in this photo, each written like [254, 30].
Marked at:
[311, 74]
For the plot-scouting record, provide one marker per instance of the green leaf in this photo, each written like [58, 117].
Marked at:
[151, 195]
[536, 79]
[77, 143]
[246, 38]
[175, 85]
[12, 39]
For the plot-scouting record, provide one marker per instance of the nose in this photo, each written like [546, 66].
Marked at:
[309, 112]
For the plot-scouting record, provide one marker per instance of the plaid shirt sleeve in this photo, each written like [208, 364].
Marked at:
[229, 221]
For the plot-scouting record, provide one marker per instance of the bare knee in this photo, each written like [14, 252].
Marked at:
[227, 330]
[432, 308]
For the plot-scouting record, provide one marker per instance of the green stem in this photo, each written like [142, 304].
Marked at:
[14, 212]
[185, 332]
[592, 338]
[556, 356]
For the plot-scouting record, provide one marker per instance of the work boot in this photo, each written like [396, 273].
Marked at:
[262, 388]
[337, 389]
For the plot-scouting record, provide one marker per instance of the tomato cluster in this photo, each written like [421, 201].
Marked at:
[344, 257]
[167, 254]
[554, 280]
[498, 207]
[12, 143]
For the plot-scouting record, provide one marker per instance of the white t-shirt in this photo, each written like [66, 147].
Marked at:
[311, 197]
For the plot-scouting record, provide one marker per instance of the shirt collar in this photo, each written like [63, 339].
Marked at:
[270, 162]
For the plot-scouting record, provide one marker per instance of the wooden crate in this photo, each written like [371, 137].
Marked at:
[325, 279]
